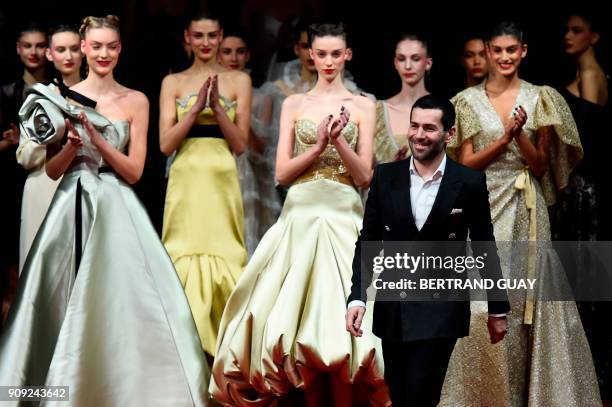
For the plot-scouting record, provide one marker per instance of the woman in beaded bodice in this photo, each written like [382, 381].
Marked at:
[524, 138]
[283, 327]
[205, 114]
[97, 284]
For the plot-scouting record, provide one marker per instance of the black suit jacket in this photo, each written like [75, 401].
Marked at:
[388, 217]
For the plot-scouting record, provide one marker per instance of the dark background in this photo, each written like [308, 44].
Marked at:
[152, 32]
[152, 35]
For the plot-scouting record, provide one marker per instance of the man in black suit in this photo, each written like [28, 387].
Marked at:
[428, 198]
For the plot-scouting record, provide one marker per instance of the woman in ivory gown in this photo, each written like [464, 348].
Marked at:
[283, 326]
[65, 53]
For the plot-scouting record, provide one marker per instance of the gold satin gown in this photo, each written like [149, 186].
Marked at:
[547, 362]
[203, 227]
[284, 324]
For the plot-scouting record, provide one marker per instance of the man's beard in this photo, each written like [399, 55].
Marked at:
[431, 153]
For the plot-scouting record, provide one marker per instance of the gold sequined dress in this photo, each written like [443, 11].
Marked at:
[284, 324]
[544, 359]
[203, 227]
[386, 144]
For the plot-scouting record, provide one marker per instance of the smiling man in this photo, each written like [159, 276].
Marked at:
[428, 198]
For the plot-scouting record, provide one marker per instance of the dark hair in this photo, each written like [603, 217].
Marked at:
[592, 20]
[324, 30]
[434, 102]
[473, 35]
[507, 28]
[238, 32]
[203, 14]
[31, 27]
[62, 28]
[413, 36]
[301, 25]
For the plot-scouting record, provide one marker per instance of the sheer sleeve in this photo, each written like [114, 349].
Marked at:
[565, 148]
[467, 124]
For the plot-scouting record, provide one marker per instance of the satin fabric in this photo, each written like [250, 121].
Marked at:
[203, 227]
[117, 330]
[284, 324]
[37, 193]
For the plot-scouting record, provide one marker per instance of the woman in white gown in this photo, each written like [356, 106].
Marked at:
[283, 326]
[65, 53]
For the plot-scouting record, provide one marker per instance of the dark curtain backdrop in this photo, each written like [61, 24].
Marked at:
[152, 32]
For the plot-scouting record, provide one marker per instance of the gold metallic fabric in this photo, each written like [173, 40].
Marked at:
[328, 165]
[386, 144]
[547, 363]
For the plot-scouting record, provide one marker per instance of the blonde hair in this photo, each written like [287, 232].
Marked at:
[90, 22]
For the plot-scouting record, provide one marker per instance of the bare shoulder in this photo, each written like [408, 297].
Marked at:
[136, 98]
[364, 103]
[132, 101]
[174, 81]
[293, 101]
[595, 75]
[238, 77]
[171, 79]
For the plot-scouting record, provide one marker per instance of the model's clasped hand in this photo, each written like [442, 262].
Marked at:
[74, 139]
[329, 129]
[514, 126]
[208, 96]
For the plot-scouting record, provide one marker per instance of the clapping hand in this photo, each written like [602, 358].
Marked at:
[213, 97]
[94, 135]
[339, 124]
[323, 132]
[202, 99]
[514, 126]
[74, 139]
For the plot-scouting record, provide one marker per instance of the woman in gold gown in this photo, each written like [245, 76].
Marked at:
[412, 63]
[545, 358]
[283, 326]
[205, 118]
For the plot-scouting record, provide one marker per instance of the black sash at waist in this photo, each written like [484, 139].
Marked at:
[205, 130]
